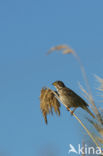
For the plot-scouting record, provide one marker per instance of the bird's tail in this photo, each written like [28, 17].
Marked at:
[87, 109]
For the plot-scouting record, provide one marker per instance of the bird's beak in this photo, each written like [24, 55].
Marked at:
[53, 83]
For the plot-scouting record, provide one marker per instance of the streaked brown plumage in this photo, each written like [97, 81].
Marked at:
[70, 98]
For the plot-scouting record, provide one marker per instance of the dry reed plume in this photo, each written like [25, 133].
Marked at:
[48, 102]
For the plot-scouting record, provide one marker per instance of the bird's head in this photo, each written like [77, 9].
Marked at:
[58, 84]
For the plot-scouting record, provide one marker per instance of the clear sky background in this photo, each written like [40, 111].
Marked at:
[28, 29]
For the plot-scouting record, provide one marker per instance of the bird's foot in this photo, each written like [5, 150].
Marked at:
[68, 109]
[71, 113]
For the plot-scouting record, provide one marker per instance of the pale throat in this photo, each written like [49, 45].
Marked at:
[59, 89]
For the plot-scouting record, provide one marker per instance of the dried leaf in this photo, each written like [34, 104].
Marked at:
[64, 48]
[67, 51]
[100, 80]
[99, 139]
[85, 93]
[97, 126]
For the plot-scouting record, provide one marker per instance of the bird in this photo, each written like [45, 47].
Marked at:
[69, 98]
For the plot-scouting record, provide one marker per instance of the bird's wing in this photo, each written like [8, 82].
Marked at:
[76, 98]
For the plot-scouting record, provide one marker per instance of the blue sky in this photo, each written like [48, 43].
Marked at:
[28, 29]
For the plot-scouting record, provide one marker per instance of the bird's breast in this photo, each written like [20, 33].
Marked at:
[65, 100]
